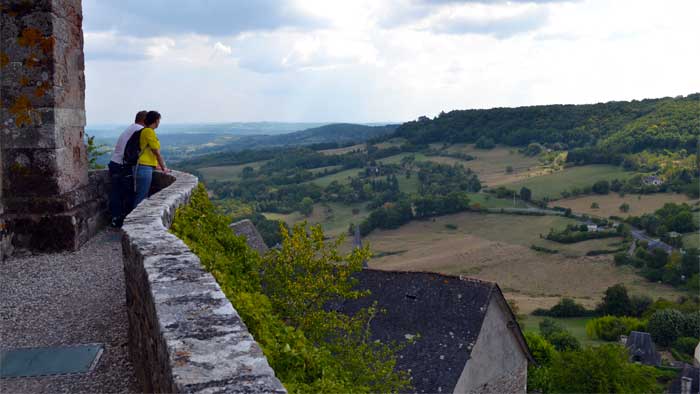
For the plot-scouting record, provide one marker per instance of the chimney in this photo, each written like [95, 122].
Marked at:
[686, 384]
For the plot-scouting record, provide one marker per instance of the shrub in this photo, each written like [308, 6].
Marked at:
[691, 325]
[543, 249]
[601, 369]
[281, 298]
[616, 302]
[601, 187]
[544, 353]
[685, 345]
[609, 328]
[485, 143]
[566, 307]
[451, 226]
[665, 326]
[640, 304]
[560, 338]
[563, 341]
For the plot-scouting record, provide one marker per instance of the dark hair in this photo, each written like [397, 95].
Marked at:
[151, 117]
[140, 116]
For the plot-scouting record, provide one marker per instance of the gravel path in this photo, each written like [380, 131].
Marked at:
[67, 299]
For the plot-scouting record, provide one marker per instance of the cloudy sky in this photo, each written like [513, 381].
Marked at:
[379, 60]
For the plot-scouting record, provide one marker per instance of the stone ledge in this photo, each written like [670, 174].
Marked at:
[184, 334]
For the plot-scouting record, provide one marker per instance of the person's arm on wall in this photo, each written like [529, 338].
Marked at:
[154, 145]
[161, 162]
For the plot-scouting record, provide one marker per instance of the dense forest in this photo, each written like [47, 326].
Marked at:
[599, 133]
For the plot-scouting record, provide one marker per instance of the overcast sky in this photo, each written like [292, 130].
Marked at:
[379, 60]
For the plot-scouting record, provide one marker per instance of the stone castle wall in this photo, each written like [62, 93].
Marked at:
[47, 199]
[185, 336]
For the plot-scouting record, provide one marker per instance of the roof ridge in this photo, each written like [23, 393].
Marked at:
[454, 276]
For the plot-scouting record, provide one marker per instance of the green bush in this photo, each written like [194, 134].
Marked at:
[609, 328]
[566, 307]
[616, 302]
[543, 249]
[558, 336]
[685, 345]
[601, 369]
[280, 297]
[665, 326]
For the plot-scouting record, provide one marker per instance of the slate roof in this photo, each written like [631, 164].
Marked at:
[642, 349]
[690, 372]
[447, 312]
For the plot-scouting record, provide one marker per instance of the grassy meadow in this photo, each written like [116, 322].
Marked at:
[227, 173]
[335, 218]
[609, 204]
[551, 185]
[575, 325]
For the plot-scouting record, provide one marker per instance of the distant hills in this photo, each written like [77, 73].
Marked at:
[602, 130]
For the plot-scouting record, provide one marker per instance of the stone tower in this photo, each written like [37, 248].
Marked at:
[47, 201]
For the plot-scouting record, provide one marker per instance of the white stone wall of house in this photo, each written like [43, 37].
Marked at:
[497, 363]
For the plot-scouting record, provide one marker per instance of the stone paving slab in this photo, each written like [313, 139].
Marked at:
[67, 299]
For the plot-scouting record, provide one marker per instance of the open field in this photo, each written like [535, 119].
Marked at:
[396, 159]
[575, 325]
[491, 164]
[227, 173]
[610, 203]
[394, 142]
[335, 218]
[408, 185]
[319, 170]
[496, 248]
[488, 201]
[347, 149]
[691, 240]
[552, 185]
[341, 177]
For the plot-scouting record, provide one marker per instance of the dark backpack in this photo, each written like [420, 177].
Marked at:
[132, 150]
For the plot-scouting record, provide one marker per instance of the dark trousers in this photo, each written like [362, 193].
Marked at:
[121, 198]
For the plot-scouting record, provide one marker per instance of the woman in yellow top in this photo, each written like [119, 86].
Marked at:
[150, 158]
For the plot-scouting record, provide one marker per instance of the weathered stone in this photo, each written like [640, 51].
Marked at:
[185, 336]
[247, 229]
[49, 203]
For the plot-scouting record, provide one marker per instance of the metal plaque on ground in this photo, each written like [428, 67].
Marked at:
[44, 361]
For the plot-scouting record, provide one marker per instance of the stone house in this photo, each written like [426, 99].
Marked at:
[465, 336]
[461, 335]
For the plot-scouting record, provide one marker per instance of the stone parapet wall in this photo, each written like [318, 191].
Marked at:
[185, 336]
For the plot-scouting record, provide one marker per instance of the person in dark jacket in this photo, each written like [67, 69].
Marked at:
[121, 198]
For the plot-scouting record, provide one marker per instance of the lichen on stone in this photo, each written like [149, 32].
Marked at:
[22, 110]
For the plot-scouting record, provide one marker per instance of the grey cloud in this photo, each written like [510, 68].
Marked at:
[501, 27]
[414, 11]
[439, 2]
[211, 17]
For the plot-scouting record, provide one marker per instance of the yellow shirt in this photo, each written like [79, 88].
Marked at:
[148, 141]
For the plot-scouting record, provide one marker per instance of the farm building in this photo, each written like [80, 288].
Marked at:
[642, 349]
[652, 180]
[466, 336]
